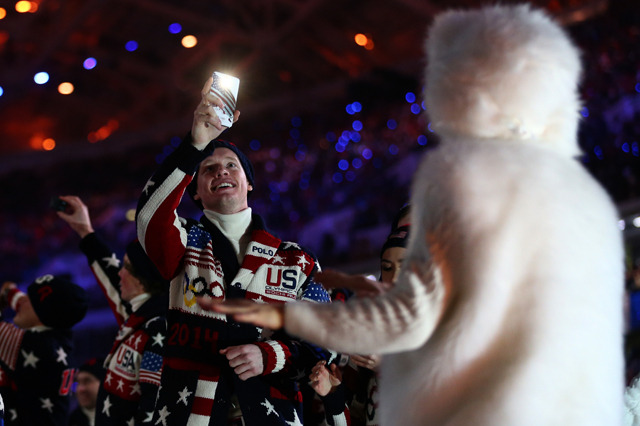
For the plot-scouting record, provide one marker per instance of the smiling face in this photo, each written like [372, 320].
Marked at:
[222, 183]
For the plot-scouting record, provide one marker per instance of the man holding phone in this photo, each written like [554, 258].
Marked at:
[215, 369]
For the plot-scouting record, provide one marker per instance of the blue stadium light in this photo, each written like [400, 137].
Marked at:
[337, 177]
[274, 196]
[635, 149]
[410, 97]
[339, 147]
[393, 149]
[356, 163]
[346, 134]
[160, 158]
[273, 186]
[303, 148]
[638, 87]
[131, 45]
[350, 175]
[175, 28]
[296, 122]
[422, 140]
[625, 147]
[254, 144]
[356, 106]
[357, 125]
[367, 154]
[294, 133]
[41, 77]
[1, 90]
[355, 136]
[331, 137]
[415, 108]
[350, 109]
[305, 176]
[89, 63]
[294, 216]
[392, 124]
[429, 127]
[167, 150]
[303, 184]
[424, 107]
[283, 186]
[343, 141]
[300, 156]
[175, 141]
[585, 112]
[343, 164]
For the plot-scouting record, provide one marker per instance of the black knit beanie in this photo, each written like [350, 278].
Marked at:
[192, 188]
[398, 238]
[57, 302]
[94, 366]
[142, 265]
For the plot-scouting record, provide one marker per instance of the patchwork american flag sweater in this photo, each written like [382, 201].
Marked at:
[128, 393]
[197, 382]
[37, 370]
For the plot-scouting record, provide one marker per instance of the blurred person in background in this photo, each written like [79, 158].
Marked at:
[90, 375]
[136, 293]
[37, 365]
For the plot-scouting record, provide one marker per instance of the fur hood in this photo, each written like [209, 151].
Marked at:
[503, 72]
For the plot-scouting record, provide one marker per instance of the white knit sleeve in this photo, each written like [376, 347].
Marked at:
[400, 320]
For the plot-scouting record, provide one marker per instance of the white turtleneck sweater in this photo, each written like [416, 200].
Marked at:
[137, 301]
[236, 227]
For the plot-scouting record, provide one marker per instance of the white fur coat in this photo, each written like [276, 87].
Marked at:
[509, 309]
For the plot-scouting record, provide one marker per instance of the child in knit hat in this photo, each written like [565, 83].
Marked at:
[37, 367]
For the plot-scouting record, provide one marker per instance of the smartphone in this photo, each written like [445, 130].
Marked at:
[58, 205]
[226, 88]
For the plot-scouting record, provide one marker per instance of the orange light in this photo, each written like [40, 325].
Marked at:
[113, 125]
[65, 88]
[3, 12]
[189, 41]
[369, 44]
[48, 144]
[103, 133]
[36, 141]
[93, 138]
[4, 36]
[33, 7]
[23, 6]
[361, 39]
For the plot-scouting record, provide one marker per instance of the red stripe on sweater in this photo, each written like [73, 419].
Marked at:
[286, 395]
[202, 406]
[212, 372]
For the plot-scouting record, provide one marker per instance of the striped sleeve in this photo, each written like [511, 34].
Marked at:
[335, 407]
[10, 343]
[159, 228]
[105, 267]
[276, 356]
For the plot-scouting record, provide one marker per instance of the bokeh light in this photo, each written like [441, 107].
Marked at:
[296, 122]
[392, 124]
[422, 140]
[410, 97]
[189, 41]
[1, 90]
[415, 108]
[393, 149]
[350, 175]
[33, 7]
[3, 12]
[585, 112]
[255, 145]
[89, 63]
[131, 215]
[361, 39]
[367, 154]
[41, 77]
[175, 28]
[48, 144]
[331, 137]
[356, 163]
[369, 45]
[356, 106]
[131, 45]
[337, 177]
[343, 164]
[357, 125]
[65, 88]
[23, 6]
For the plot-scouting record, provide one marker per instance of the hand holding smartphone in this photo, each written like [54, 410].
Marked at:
[226, 88]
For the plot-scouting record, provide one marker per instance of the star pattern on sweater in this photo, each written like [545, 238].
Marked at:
[158, 339]
[299, 375]
[131, 422]
[270, 408]
[184, 394]
[120, 385]
[164, 413]
[112, 261]
[296, 420]
[149, 417]
[260, 300]
[29, 359]
[302, 261]
[14, 414]
[278, 259]
[108, 379]
[137, 342]
[1, 404]
[46, 404]
[44, 279]
[107, 405]
[135, 389]
[148, 185]
[62, 356]
[289, 244]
